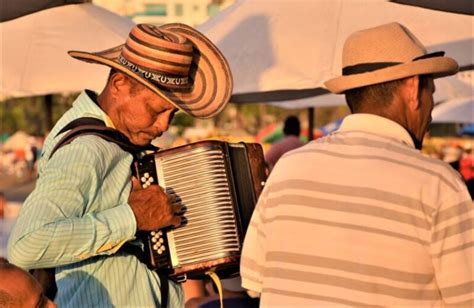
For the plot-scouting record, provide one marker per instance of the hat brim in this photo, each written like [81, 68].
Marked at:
[212, 80]
[437, 67]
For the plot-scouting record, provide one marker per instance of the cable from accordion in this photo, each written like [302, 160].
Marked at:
[218, 284]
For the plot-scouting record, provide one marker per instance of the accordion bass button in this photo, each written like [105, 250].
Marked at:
[146, 175]
[155, 247]
[154, 240]
[152, 233]
[161, 240]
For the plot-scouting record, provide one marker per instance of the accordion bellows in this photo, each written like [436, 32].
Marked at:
[218, 184]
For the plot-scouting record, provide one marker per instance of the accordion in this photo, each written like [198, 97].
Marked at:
[218, 184]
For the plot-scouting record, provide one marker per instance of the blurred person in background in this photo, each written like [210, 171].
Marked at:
[3, 204]
[466, 167]
[290, 141]
[361, 217]
[18, 289]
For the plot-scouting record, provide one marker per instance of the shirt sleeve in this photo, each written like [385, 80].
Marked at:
[452, 249]
[55, 226]
[253, 252]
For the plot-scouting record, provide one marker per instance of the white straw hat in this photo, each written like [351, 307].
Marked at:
[385, 53]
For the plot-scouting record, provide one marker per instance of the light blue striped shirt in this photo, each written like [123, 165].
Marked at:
[78, 216]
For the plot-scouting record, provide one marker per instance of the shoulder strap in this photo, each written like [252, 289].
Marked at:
[93, 126]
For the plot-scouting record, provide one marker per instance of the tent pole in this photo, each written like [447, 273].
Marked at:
[310, 123]
[48, 110]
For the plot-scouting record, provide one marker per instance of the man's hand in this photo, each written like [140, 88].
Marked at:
[153, 208]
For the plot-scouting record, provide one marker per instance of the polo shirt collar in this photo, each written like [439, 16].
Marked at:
[375, 124]
[88, 98]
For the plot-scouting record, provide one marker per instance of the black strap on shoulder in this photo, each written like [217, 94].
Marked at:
[164, 290]
[94, 126]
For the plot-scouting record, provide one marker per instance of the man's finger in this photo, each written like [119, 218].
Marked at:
[136, 184]
[176, 221]
[177, 207]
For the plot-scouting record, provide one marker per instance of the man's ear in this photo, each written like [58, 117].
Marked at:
[118, 82]
[411, 92]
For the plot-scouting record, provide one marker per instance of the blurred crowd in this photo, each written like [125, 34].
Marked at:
[20, 152]
[18, 157]
[460, 157]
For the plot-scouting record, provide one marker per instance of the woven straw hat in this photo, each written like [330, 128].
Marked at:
[385, 53]
[176, 62]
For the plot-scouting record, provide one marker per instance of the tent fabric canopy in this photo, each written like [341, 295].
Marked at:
[458, 110]
[11, 9]
[285, 53]
[17, 141]
[34, 50]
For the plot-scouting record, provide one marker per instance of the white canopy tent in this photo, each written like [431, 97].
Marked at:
[283, 51]
[457, 110]
[34, 59]
[17, 141]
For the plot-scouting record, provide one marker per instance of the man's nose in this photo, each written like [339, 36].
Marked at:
[162, 123]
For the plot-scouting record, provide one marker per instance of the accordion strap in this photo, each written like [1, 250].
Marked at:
[97, 127]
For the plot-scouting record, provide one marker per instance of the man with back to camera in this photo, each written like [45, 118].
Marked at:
[361, 217]
[84, 206]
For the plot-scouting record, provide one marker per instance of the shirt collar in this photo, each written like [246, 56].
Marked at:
[90, 97]
[375, 124]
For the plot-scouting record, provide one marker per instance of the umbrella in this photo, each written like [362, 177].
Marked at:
[34, 49]
[457, 110]
[17, 141]
[284, 50]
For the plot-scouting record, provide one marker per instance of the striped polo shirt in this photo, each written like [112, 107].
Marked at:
[77, 218]
[361, 218]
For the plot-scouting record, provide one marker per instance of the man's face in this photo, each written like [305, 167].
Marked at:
[142, 115]
[25, 290]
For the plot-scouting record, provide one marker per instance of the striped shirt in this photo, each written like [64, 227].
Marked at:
[361, 218]
[77, 218]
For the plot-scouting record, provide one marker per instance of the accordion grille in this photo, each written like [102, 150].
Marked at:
[199, 181]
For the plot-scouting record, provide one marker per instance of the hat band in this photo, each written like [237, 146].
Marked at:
[370, 67]
[366, 67]
[160, 78]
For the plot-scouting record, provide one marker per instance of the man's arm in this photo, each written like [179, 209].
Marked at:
[254, 249]
[54, 227]
[452, 249]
